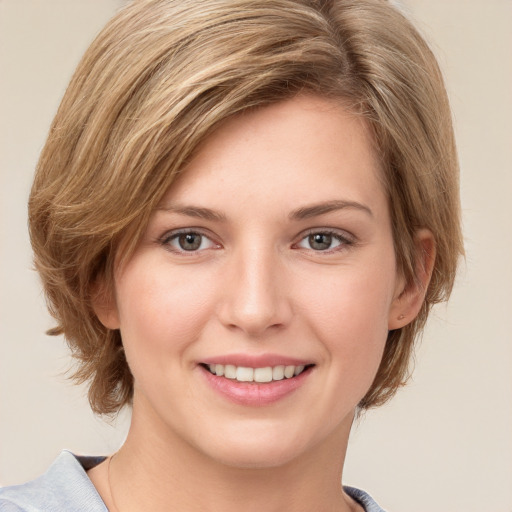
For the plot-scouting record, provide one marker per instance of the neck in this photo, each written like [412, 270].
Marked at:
[155, 468]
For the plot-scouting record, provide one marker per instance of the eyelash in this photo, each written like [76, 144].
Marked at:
[344, 241]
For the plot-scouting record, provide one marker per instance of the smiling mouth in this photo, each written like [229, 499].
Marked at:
[258, 375]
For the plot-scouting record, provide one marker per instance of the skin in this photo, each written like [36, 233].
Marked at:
[258, 284]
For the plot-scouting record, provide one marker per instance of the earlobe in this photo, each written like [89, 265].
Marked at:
[104, 305]
[410, 297]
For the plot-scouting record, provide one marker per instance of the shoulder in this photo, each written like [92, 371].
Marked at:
[364, 499]
[65, 486]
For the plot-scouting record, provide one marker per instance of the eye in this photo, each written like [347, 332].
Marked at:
[188, 241]
[324, 241]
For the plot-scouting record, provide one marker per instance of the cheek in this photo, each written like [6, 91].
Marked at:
[160, 313]
[349, 311]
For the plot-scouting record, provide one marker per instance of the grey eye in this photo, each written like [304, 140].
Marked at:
[320, 241]
[190, 241]
[323, 241]
[187, 242]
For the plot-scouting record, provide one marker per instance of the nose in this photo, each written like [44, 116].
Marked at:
[255, 299]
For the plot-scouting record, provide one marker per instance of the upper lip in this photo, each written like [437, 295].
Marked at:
[256, 361]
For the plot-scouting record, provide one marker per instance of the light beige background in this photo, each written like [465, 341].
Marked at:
[445, 442]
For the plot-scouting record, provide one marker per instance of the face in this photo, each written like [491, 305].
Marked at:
[255, 310]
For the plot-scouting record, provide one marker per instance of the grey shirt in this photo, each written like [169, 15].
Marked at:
[66, 487]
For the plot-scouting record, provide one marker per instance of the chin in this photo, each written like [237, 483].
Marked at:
[260, 447]
[256, 456]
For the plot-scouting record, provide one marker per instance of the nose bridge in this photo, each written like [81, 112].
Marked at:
[254, 299]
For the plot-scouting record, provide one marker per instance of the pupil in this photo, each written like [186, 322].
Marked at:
[320, 241]
[190, 241]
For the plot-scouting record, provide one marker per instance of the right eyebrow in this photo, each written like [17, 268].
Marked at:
[197, 212]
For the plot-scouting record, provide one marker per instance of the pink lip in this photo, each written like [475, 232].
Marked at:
[252, 393]
[256, 361]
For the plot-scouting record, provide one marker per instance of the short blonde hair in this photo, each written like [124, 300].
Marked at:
[160, 78]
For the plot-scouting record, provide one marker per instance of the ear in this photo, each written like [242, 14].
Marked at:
[409, 297]
[104, 304]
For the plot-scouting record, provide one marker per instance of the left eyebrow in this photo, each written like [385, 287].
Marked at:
[306, 212]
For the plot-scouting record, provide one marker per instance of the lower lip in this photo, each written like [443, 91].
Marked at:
[252, 393]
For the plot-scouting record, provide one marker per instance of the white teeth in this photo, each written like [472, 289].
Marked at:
[289, 371]
[246, 374]
[278, 373]
[229, 371]
[263, 374]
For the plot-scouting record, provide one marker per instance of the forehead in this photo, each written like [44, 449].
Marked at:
[307, 149]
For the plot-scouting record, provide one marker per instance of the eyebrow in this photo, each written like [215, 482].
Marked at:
[194, 211]
[306, 212]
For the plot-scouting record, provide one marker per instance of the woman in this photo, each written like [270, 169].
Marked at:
[242, 216]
